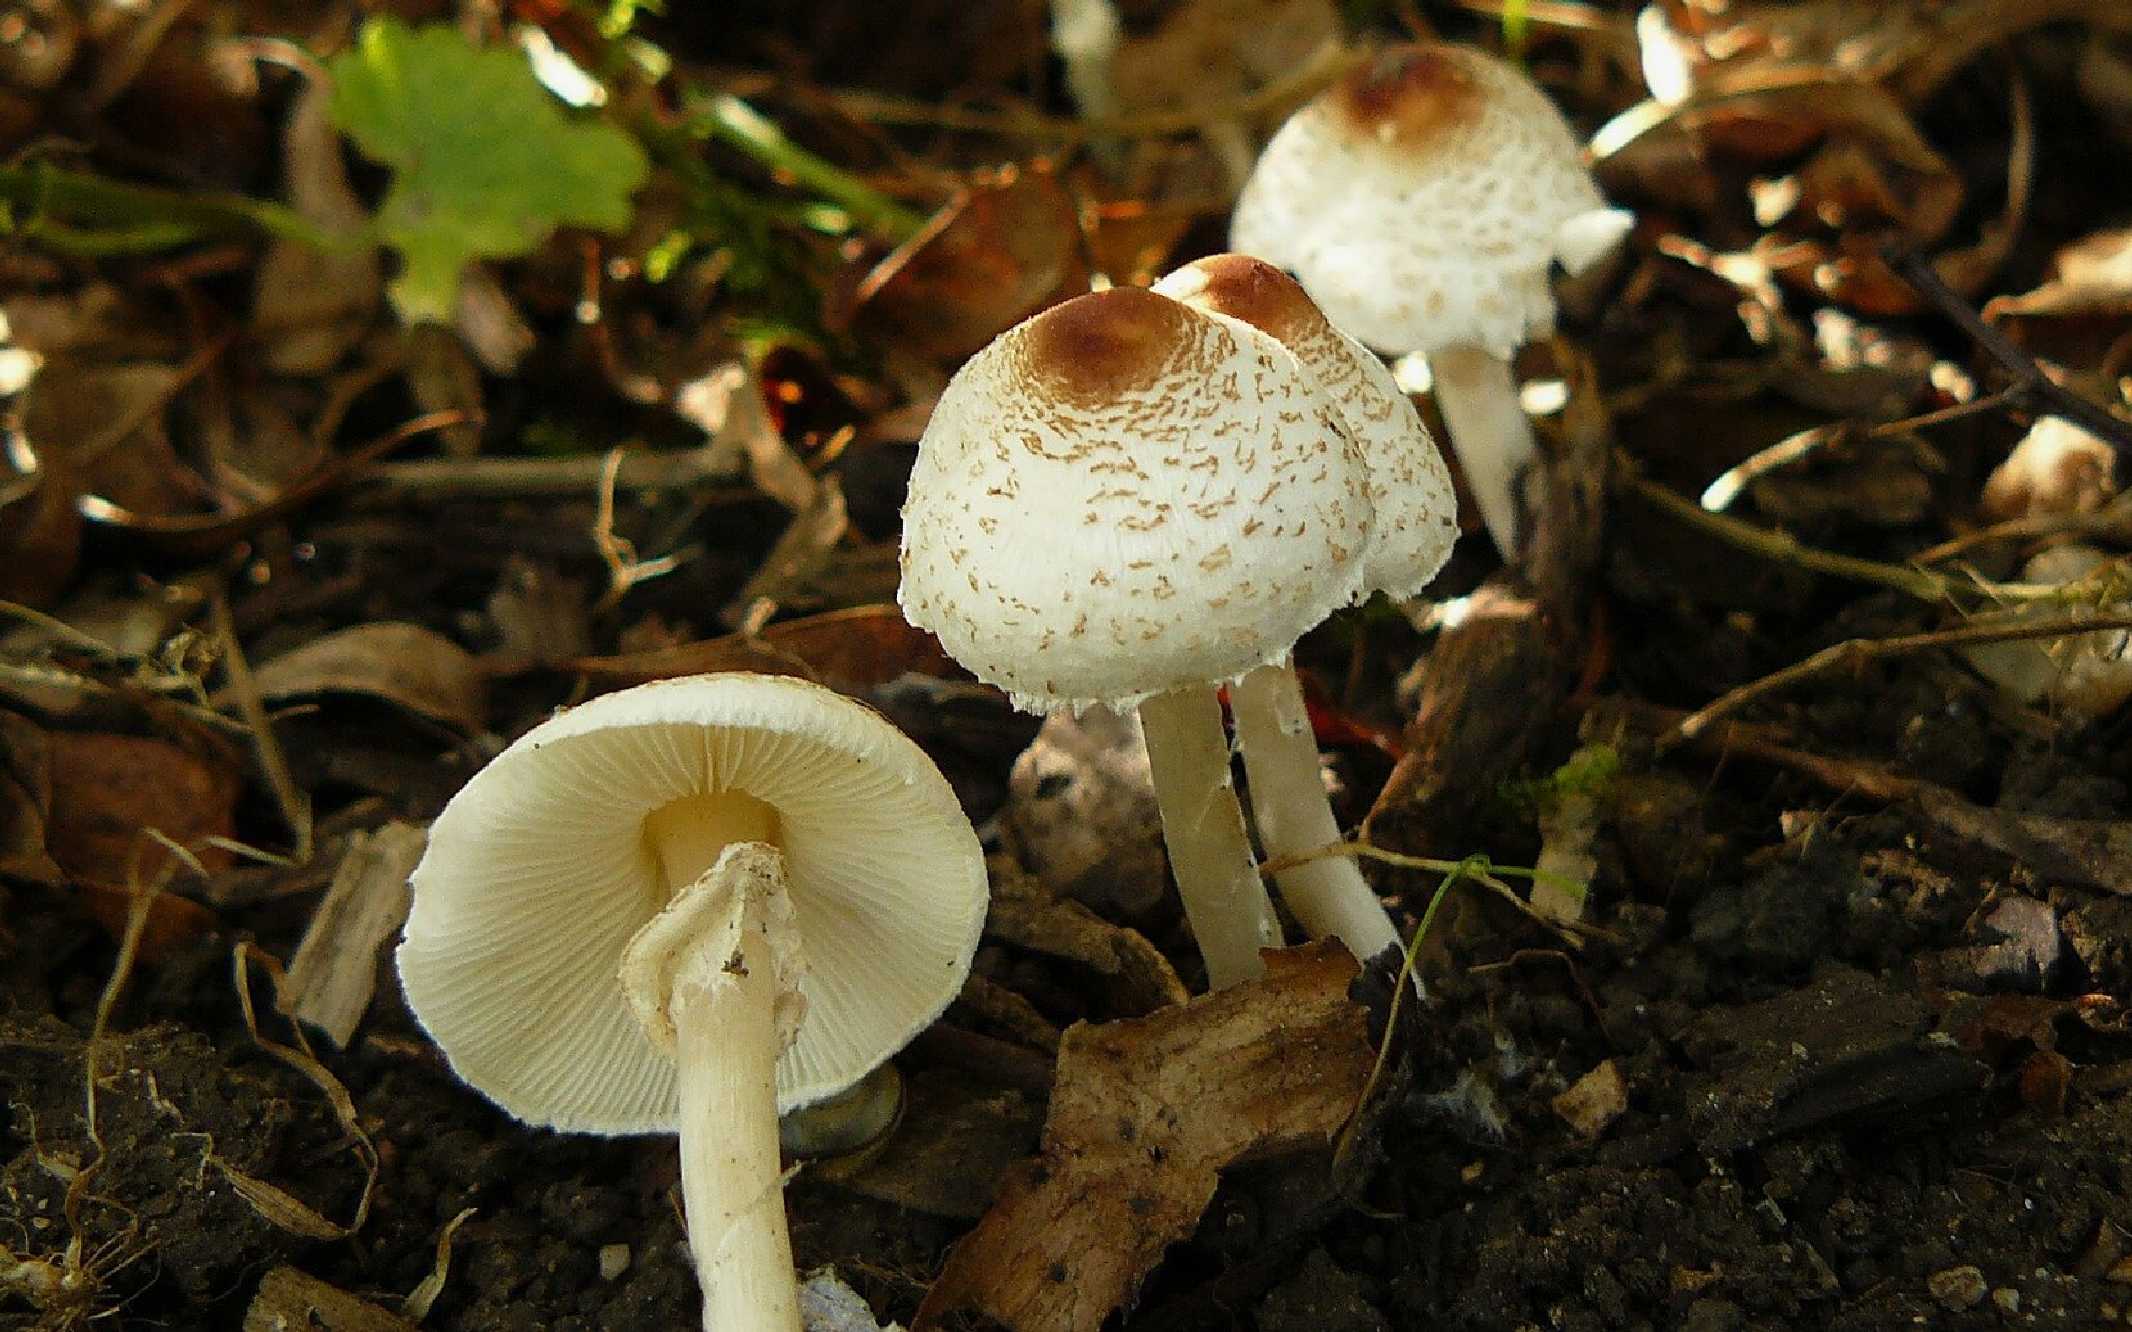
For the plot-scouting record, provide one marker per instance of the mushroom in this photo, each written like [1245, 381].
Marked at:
[686, 907]
[1126, 501]
[1414, 525]
[1421, 200]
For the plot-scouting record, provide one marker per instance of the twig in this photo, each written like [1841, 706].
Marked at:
[2031, 386]
[2114, 517]
[1727, 738]
[295, 807]
[1476, 867]
[1782, 548]
[479, 478]
[1858, 651]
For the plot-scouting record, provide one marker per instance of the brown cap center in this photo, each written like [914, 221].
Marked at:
[1410, 94]
[1103, 345]
[1249, 289]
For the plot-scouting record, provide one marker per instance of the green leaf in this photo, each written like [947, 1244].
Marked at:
[486, 164]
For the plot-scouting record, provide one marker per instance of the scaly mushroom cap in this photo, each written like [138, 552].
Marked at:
[540, 871]
[1414, 511]
[1422, 198]
[1124, 495]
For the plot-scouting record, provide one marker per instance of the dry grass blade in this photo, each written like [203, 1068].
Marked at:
[273, 1203]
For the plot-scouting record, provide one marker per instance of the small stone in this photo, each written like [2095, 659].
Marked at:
[614, 1260]
[2008, 1299]
[1958, 1287]
[1594, 1101]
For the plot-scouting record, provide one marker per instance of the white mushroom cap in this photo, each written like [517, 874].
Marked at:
[540, 871]
[1414, 510]
[1422, 198]
[1124, 495]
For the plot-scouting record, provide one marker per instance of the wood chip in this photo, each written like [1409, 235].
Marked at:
[335, 972]
[1146, 1115]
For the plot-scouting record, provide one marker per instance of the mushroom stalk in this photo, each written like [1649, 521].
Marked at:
[1489, 433]
[1203, 826]
[1329, 896]
[713, 978]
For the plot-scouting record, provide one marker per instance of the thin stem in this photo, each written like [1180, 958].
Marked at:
[733, 122]
[1780, 547]
[1224, 897]
[1858, 651]
[1489, 433]
[157, 218]
[1330, 896]
[712, 978]
[2029, 380]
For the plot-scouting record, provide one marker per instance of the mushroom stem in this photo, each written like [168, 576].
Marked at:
[1203, 826]
[1489, 433]
[713, 979]
[1329, 896]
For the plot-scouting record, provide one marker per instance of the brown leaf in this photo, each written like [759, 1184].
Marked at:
[40, 535]
[403, 664]
[1007, 247]
[855, 650]
[1146, 1114]
[25, 801]
[107, 790]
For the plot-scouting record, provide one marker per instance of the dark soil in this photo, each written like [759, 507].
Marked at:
[1862, 1091]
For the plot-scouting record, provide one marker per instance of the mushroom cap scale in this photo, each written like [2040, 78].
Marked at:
[1422, 199]
[1414, 509]
[1125, 495]
[539, 872]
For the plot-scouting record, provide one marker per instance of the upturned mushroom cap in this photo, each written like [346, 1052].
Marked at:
[1414, 510]
[1422, 198]
[1125, 495]
[540, 871]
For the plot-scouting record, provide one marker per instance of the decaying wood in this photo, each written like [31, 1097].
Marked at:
[1146, 1114]
[336, 967]
[289, 1300]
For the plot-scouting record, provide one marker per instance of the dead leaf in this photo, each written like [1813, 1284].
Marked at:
[1593, 1101]
[403, 664]
[1914, 47]
[2090, 277]
[289, 1299]
[2057, 468]
[336, 966]
[1026, 915]
[108, 790]
[1146, 1114]
[1008, 246]
[25, 802]
[727, 404]
[40, 530]
[856, 650]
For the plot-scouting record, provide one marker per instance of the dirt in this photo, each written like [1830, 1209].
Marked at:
[1830, 1044]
